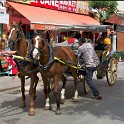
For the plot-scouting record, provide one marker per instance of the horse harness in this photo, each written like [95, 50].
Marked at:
[12, 43]
[40, 66]
[52, 58]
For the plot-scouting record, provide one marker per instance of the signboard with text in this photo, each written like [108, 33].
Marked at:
[74, 6]
[4, 18]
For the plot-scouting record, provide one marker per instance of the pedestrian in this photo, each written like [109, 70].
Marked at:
[91, 61]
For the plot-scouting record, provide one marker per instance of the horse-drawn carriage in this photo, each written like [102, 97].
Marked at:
[107, 66]
[51, 62]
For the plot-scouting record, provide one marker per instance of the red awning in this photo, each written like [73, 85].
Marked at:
[41, 17]
[114, 19]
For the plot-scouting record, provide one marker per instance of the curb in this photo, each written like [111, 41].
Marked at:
[11, 88]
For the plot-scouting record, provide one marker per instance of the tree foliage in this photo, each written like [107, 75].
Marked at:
[108, 7]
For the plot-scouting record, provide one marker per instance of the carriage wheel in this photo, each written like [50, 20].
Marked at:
[86, 86]
[111, 73]
[99, 71]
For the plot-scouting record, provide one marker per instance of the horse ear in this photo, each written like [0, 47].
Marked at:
[20, 23]
[46, 33]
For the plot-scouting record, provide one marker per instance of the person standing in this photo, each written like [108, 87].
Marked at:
[91, 61]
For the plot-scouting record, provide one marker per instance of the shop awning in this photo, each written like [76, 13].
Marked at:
[42, 18]
[115, 19]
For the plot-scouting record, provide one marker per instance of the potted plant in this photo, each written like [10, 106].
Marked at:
[122, 56]
[116, 56]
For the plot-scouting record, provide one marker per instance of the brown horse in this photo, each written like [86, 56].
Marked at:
[51, 68]
[17, 37]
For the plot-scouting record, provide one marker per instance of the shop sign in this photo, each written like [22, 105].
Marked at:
[56, 4]
[4, 18]
[51, 4]
[68, 5]
[44, 26]
[74, 6]
[2, 10]
[48, 27]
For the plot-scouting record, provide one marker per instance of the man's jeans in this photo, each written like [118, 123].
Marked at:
[89, 76]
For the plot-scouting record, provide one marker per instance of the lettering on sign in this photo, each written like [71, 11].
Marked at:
[68, 5]
[48, 27]
[52, 4]
[75, 6]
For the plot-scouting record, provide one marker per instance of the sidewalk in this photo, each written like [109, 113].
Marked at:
[8, 83]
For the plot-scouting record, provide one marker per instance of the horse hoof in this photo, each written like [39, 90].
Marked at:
[62, 101]
[58, 112]
[31, 113]
[48, 108]
[74, 100]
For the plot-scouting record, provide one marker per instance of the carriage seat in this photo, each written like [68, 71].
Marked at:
[102, 54]
[99, 54]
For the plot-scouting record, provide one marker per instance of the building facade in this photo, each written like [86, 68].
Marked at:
[41, 15]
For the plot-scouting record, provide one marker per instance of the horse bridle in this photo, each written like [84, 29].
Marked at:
[41, 50]
[11, 42]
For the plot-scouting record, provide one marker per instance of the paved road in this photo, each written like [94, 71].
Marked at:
[109, 110]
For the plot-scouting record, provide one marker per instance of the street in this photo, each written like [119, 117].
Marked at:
[108, 110]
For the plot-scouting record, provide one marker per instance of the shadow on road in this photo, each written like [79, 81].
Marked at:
[111, 106]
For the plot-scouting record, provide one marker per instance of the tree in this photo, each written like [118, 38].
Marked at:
[104, 8]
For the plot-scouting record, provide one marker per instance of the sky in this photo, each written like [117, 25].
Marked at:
[121, 5]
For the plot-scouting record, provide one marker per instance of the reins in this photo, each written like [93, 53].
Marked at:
[21, 61]
[52, 59]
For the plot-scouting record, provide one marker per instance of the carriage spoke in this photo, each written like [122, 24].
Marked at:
[111, 72]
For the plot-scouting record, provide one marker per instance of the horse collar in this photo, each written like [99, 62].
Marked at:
[51, 59]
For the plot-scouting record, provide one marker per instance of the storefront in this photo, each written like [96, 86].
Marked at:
[4, 20]
[117, 20]
[41, 15]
